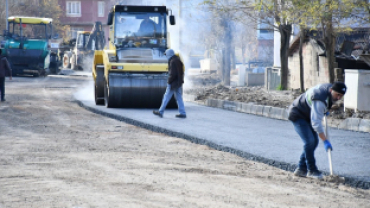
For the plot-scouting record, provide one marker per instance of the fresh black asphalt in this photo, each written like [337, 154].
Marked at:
[262, 139]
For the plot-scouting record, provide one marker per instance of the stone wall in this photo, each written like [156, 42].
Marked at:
[315, 67]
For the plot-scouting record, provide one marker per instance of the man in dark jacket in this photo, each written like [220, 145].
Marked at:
[306, 113]
[174, 84]
[4, 71]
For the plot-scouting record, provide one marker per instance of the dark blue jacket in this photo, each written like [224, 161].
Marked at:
[176, 72]
[5, 69]
[300, 109]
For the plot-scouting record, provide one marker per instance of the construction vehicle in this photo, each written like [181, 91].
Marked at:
[65, 47]
[133, 72]
[82, 48]
[27, 45]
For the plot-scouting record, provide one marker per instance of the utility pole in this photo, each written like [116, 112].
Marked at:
[6, 13]
[179, 24]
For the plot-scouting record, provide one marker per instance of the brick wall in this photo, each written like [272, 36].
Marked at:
[88, 16]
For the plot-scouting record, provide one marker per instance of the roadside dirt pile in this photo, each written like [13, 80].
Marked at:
[256, 95]
[210, 87]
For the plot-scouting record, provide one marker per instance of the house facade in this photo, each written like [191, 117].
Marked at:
[315, 66]
[81, 15]
[349, 48]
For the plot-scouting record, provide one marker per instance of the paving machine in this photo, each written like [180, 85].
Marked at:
[27, 45]
[133, 72]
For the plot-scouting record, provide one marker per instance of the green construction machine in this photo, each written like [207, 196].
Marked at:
[27, 46]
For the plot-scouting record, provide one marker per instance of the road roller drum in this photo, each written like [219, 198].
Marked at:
[128, 90]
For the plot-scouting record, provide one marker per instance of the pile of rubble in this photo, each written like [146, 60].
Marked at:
[210, 87]
[256, 95]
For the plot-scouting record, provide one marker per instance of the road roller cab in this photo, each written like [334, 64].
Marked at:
[133, 72]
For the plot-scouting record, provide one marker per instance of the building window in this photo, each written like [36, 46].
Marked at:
[101, 7]
[74, 31]
[73, 8]
[265, 31]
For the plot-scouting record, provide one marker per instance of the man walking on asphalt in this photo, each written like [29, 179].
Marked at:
[174, 84]
[4, 70]
[306, 113]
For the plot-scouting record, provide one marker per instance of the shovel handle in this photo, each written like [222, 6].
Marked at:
[326, 127]
[330, 164]
[329, 150]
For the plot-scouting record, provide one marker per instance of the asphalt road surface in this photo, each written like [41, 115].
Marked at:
[55, 153]
[264, 138]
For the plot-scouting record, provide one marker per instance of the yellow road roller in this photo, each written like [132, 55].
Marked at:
[133, 71]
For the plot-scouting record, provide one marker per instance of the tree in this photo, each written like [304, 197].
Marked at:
[331, 17]
[273, 13]
[245, 38]
[32, 8]
[51, 9]
[230, 30]
[222, 25]
[302, 37]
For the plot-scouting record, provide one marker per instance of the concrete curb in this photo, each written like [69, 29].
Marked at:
[351, 124]
[351, 181]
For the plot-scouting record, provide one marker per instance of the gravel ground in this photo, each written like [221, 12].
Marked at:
[56, 154]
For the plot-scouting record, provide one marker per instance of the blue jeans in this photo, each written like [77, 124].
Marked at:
[310, 140]
[167, 97]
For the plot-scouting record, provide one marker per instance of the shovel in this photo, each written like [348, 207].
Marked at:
[332, 177]
[329, 150]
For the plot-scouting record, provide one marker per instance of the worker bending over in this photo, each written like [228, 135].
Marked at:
[306, 113]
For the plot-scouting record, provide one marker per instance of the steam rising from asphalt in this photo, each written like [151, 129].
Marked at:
[85, 92]
[87, 63]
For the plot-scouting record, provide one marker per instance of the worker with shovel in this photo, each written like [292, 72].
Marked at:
[306, 113]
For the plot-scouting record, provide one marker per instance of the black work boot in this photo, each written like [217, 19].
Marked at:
[315, 174]
[300, 172]
[157, 113]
